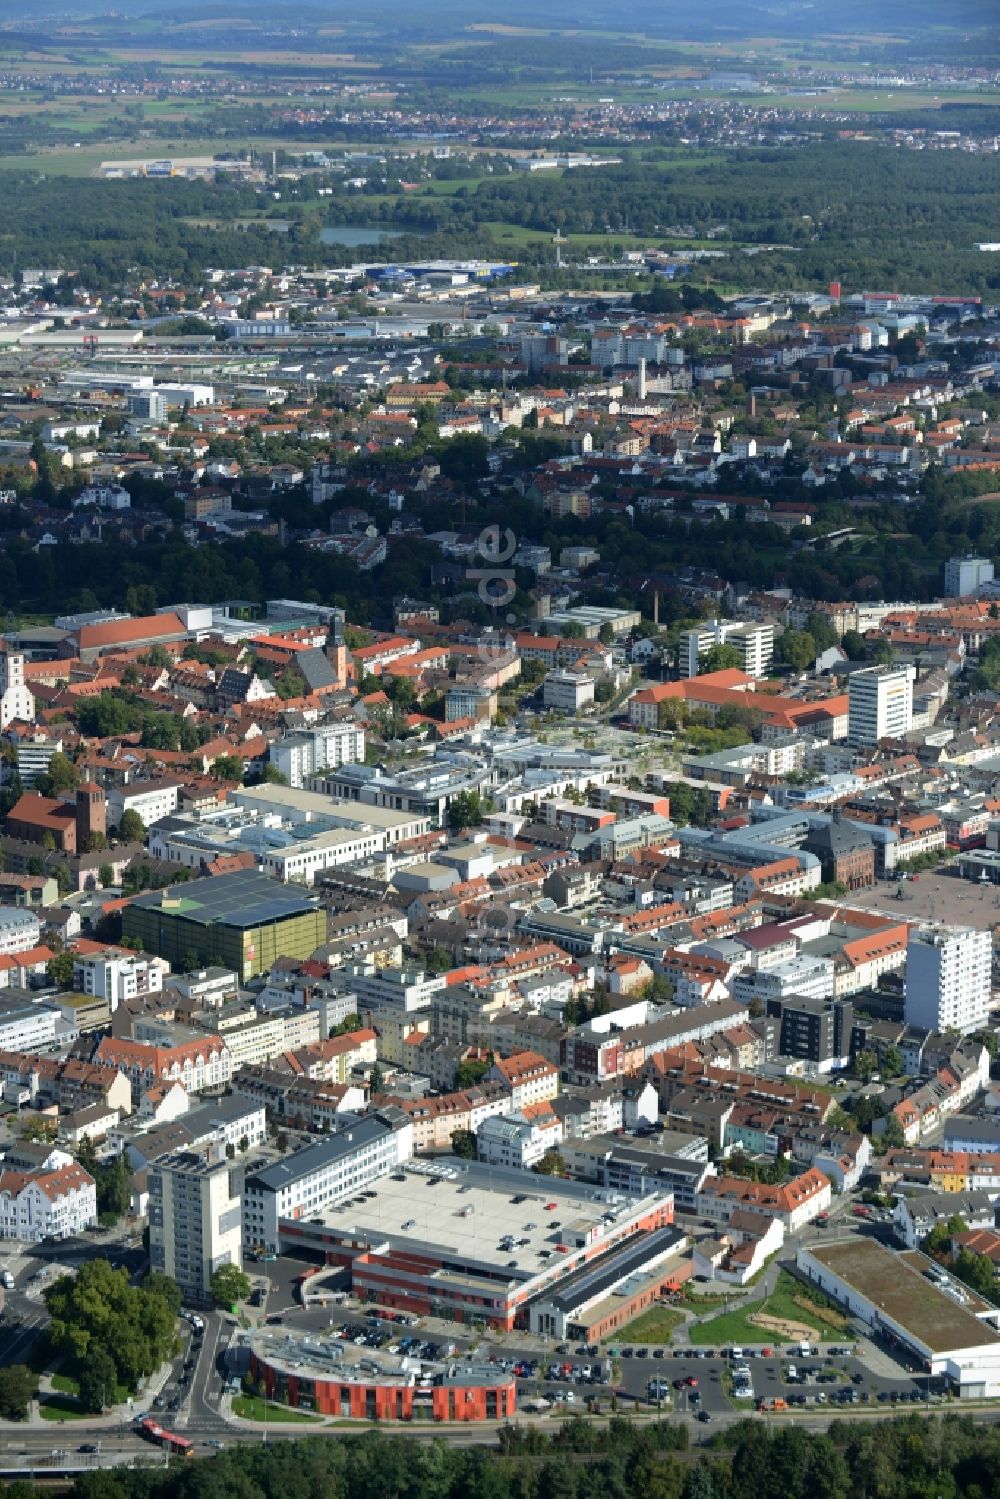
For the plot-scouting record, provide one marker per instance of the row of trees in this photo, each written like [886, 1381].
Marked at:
[910, 1458]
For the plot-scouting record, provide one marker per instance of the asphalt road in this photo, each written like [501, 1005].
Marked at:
[198, 1389]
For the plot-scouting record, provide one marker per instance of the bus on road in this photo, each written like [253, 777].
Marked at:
[154, 1432]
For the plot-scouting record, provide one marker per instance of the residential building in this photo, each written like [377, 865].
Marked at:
[754, 642]
[964, 576]
[19, 930]
[519, 1140]
[326, 747]
[948, 978]
[46, 1204]
[195, 1219]
[199, 1065]
[794, 1203]
[117, 976]
[880, 702]
[528, 1078]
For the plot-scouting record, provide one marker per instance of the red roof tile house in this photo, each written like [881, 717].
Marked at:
[46, 1204]
[196, 1064]
[794, 1203]
[528, 1077]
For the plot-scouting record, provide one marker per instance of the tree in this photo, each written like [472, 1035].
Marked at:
[551, 1164]
[166, 1289]
[60, 775]
[865, 1065]
[101, 1309]
[18, 1387]
[60, 969]
[106, 876]
[977, 1271]
[229, 1285]
[720, 657]
[821, 630]
[468, 1074]
[892, 1134]
[465, 810]
[228, 768]
[798, 649]
[658, 990]
[376, 1082]
[131, 828]
[854, 646]
[463, 1143]
[892, 1062]
[97, 1381]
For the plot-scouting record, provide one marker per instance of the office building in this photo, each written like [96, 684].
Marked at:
[754, 642]
[194, 1218]
[964, 576]
[817, 1031]
[880, 704]
[278, 1198]
[567, 691]
[948, 978]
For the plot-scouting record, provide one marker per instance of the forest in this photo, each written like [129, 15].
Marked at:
[633, 549]
[913, 1458]
[865, 214]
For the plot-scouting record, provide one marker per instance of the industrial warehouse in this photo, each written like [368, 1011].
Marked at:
[906, 1298]
[461, 1240]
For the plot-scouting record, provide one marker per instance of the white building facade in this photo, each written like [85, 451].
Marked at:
[880, 704]
[948, 978]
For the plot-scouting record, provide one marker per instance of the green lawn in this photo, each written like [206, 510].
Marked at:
[67, 1384]
[655, 1326]
[736, 1327]
[62, 1408]
[252, 1408]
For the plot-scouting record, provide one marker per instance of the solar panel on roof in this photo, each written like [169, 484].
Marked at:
[244, 898]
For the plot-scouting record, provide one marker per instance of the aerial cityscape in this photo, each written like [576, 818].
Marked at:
[500, 751]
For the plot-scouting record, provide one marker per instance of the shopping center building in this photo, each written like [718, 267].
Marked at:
[502, 1248]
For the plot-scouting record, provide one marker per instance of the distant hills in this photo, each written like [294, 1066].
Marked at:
[711, 21]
